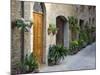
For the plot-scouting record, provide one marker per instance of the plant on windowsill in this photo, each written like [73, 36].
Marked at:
[56, 53]
[30, 64]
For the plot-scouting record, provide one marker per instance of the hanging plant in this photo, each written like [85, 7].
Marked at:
[73, 24]
[24, 24]
[49, 29]
[52, 29]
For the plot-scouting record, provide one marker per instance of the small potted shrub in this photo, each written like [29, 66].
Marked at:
[56, 53]
[49, 29]
[81, 43]
[24, 24]
[30, 64]
[52, 29]
[74, 47]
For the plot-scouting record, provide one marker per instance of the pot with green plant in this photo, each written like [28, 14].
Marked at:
[56, 53]
[30, 64]
[52, 29]
[73, 25]
[74, 47]
[84, 35]
[81, 43]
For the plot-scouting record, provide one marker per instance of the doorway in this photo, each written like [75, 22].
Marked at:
[62, 31]
[38, 31]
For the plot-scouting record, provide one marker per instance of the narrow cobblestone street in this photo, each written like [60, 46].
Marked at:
[83, 60]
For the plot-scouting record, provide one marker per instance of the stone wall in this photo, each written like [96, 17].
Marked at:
[54, 10]
[87, 13]
[15, 35]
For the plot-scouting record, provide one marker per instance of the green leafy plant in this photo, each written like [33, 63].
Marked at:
[56, 53]
[93, 31]
[84, 35]
[73, 25]
[74, 47]
[24, 24]
[30, 64]
[52, 29]
[81, 43]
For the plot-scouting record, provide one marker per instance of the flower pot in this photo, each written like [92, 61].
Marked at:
[36, 70]
[49, 31]
[54, 32]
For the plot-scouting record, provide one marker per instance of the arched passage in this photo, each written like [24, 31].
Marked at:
[61, 37]
[38, 30]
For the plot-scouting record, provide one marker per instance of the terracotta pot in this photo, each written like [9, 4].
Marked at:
[55, 32]
[49, 31]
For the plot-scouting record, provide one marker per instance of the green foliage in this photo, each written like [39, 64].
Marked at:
[29, 64]
[85, 38]
[93, 29]
[73, 47]
[24, 24]
[87, 34]
[56, 53]
[81, 43]
[52, 28]
[73, 23]
[84, 35]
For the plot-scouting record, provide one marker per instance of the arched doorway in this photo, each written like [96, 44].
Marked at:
[38, 30]
[61, 37]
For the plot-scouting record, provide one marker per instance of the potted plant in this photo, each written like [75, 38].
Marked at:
[73, 25]
[52, 29]
[49, 29]
[74, 47]
[81, 43]
[24, 24]
[30, 64]
[56, 53]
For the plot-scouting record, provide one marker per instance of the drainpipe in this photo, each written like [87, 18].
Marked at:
[22, 33]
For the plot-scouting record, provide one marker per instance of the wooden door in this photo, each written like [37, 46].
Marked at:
[38, 36]
[60, 34]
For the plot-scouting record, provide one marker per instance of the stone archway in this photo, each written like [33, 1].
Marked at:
[61, 37]
[39, 31]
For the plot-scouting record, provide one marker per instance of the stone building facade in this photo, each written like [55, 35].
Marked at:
[51, 12]
[87, 14]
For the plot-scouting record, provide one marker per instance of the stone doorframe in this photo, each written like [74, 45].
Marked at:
[66, 31]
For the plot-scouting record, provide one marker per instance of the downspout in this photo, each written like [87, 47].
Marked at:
[22, 33]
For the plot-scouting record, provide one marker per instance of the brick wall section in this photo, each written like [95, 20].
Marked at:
[15, 35]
